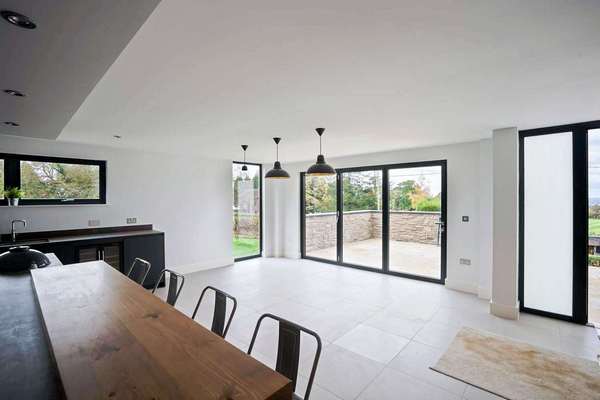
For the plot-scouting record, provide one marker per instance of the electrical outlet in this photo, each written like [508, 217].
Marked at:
[465, 218]
[132, 220]
[464, 261]
[94, 222]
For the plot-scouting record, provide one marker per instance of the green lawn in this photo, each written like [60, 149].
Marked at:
[245, 247]
[594, 227]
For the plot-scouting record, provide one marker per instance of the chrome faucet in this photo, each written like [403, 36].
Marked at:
[12, 228]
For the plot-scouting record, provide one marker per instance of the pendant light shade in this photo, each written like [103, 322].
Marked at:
[244, 167]
[277, 172]
[320, 168]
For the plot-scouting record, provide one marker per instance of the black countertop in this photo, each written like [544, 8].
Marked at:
[78, 237]
[27, 370]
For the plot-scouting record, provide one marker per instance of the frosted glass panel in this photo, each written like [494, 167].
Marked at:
[548, 223]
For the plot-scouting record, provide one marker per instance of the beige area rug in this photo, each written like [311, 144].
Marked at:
[516, 370]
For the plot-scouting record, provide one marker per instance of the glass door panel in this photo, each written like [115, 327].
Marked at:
[362, 218]
[548, 246]
[593, 240]
[320, 217]
[416, 221]
[246, 211]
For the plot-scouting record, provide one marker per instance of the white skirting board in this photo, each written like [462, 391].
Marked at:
[505, 311]
[461, 286]
[203, 266]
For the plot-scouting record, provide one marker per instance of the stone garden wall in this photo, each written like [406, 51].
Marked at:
[245, 224]
[407, 226]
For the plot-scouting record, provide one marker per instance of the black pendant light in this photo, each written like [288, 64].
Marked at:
[244, 167]
[277, 172]
[320, 168]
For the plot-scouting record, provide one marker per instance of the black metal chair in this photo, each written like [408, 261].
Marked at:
[288, 350]
[139, 270]
[218, 323]
[174, 286]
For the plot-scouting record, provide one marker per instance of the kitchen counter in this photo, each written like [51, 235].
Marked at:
[78, 237]
[27, 370]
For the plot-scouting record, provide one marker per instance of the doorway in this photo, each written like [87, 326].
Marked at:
[559, 222]
[246, 186]
[387, 218]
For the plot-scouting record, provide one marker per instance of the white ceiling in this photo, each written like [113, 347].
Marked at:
[58, 64]
[203, 77]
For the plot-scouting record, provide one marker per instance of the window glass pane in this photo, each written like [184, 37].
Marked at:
[362, 216]
[1, 178]
[246, 211]
[59, 181]
[415, 220]
[594, 227]
[548, 223]
[320, 217]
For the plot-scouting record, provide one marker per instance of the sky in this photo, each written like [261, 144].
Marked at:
[429, 176]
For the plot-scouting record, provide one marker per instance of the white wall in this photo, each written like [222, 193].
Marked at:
[463, 199]
[505, 223]
[186, 197]
[485, 218]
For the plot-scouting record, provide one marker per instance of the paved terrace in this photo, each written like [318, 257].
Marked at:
[407, 257]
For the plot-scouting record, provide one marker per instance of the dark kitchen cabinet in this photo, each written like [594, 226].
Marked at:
[110, 253]
[151, 249]
[117, 246]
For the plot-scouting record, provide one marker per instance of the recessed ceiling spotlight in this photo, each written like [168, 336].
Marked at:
[117, 136]
[10, 123]
[13, 92]
[17, 19]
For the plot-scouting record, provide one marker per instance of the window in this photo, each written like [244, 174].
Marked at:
[53, 180]
[1, 178]
[383, 218]
[247, 204]
[557, 215]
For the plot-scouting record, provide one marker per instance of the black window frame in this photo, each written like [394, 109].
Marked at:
[260, 211]
[12, 177]
[385, 267]
[579, 132]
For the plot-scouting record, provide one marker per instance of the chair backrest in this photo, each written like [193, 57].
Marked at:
[139, 270]
[218, 323]
[176, 281]
[288, 350]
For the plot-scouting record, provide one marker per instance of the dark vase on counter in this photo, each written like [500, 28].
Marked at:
[22, 258]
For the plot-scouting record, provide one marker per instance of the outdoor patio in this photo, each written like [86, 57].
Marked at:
[406, 257]
[594, 296]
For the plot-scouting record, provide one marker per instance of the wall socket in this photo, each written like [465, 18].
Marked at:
[94, 222]
[132, 220]
[464, 261]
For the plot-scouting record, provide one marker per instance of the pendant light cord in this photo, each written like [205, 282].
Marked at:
[277, 152]
[320, 144]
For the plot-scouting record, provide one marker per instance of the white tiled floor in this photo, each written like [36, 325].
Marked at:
[380, 333]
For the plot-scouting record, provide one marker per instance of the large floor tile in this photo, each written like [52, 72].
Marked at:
[345, 373]
[416, 359]
[436, 335]
[473, 393]
[372, 343]
[394, 385]
[396, 325]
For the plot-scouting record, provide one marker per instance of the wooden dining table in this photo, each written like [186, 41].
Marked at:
[112, 339]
